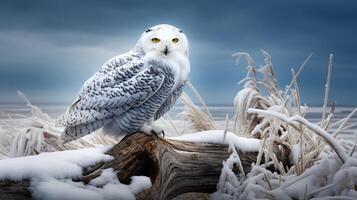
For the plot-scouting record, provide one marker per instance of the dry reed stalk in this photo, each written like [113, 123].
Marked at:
[344, 121]
[199, 120]
[327, 89]
[297, 74]
[316, 129]
[298, 104]
[167, 116]
[226, 128]
[200, 99]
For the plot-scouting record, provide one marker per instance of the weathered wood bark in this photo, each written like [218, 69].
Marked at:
[10, 190]
[174, 167]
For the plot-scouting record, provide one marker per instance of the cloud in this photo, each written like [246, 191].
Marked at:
[46, 45]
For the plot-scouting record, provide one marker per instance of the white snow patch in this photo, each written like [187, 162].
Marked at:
[51, 174]
[66, 189]
[216, 136]
[110, 188]
[140, 183]
[61, 164]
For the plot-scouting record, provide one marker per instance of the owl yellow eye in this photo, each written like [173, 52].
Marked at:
[175, 40]
[155, 40]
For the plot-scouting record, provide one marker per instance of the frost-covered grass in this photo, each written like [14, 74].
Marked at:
[322, 165]
[38, 133]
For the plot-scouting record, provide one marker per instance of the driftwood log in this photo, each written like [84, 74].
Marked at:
[174, 167]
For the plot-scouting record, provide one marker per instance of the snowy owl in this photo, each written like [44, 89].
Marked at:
[134, 89]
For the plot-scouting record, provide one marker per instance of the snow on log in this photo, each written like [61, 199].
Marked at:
[174, 167]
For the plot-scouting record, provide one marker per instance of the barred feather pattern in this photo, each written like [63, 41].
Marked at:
[134, 118]
[117, 70]
[113, 76]
[74, 132]
[122, 96]
[88, 121]
[170, 101]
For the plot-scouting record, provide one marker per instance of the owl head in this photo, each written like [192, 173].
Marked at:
[164, 41]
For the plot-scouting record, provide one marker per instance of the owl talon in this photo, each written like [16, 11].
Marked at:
[153, 132]
[150, 129]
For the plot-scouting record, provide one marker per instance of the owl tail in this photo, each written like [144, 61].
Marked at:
[74, 132]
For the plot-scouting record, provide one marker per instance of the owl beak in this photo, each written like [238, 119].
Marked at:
[166, 51]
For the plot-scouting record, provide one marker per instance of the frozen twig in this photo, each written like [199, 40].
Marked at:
[345, 120]
[268, 181]
[298, 105]
[297, 74]
[352, 150]
[226, 128]
[327, 88]
[239, 162]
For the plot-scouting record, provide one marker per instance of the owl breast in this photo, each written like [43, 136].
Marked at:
[176, 61]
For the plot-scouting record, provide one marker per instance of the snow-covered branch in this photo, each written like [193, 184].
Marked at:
[315, 128]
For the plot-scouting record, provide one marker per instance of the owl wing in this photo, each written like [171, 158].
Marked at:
[116, 70]
[108, 94]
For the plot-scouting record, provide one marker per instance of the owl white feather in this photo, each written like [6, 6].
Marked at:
[134, 89]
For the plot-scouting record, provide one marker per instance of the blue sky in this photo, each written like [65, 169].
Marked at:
[49, 48]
